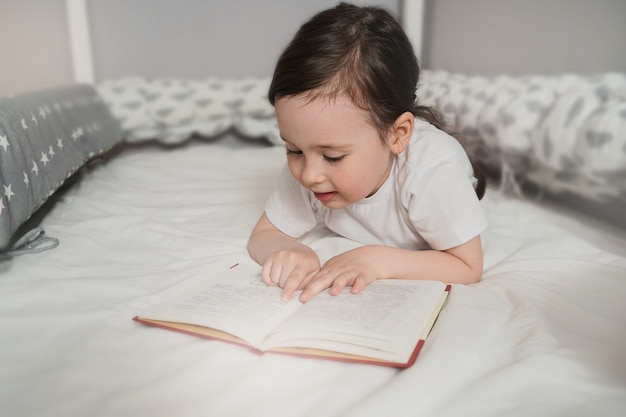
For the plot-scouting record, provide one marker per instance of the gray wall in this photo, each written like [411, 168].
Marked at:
[489, 37]
[173, 38]
[237, 38]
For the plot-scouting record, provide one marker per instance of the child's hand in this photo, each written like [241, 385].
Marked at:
[356, 268]
[290, 269]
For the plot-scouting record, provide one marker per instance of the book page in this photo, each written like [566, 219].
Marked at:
[236, 301]
[386, 316]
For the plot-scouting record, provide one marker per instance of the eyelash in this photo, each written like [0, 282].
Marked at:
[333, 160]
[330, 159]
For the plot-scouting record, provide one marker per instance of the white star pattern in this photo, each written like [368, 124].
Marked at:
[4, 143]
[77, 133]
[54, 157]
[8, 193]
[44, 159]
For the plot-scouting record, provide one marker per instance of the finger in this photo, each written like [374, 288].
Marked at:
[359, 284]
[340, 283]
[271, 272]
[289, 288]
[296, 281]
[265, 273]
[318, 283]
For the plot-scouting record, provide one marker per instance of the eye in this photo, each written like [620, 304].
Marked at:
[333, 159]
[293, 152]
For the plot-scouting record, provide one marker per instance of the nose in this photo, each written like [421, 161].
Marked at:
[311, 173]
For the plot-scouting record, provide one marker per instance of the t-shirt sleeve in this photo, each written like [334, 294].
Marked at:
[443, 205]
[289, 206]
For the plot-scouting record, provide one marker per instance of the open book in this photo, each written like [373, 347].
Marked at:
[386, 324]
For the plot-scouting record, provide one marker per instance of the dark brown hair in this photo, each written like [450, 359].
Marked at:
[362, 52]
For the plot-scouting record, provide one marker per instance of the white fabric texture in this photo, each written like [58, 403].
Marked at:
[172, 110]
[566, 133]
[428, 200]
[543, 333]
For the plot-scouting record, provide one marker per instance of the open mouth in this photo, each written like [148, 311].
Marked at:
[325, 197]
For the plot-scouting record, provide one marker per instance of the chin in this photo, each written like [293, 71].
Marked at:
[333, 206]
[337, 204]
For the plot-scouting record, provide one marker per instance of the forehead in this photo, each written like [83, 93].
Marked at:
[332, 121]
[313, 102]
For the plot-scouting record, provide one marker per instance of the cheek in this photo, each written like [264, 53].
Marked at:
[295, 167]
[369, 172]
[351, 178]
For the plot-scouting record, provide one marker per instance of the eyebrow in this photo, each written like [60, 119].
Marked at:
[323, 146]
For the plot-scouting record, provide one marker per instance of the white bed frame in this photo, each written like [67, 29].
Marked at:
[413, 22]
[80, 41]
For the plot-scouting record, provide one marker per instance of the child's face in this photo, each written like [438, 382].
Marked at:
[332, 149]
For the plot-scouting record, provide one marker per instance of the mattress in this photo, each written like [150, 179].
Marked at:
[543, 333]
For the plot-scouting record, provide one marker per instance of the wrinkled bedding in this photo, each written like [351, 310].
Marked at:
[566, 133]
[544, 332]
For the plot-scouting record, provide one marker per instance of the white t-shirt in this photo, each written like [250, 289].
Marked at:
[428, 200]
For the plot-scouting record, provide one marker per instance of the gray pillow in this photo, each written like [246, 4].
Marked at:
[45, 137]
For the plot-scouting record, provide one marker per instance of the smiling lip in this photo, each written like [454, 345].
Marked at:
[325, 197]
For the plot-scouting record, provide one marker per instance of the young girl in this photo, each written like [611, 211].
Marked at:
[367, 161]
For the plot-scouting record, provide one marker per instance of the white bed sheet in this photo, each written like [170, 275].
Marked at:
[543, 334]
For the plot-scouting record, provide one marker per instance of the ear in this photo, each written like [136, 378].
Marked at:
[401, 132]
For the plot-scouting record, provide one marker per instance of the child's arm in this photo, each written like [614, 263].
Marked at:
[286, 262]
[359, 267]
